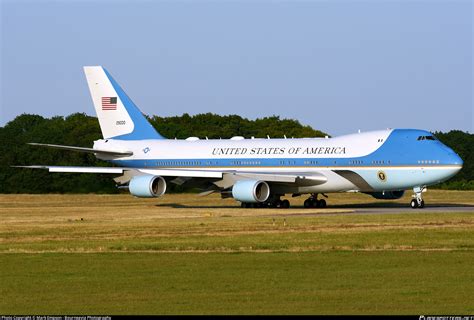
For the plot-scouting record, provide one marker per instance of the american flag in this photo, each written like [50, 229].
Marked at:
[109, 103]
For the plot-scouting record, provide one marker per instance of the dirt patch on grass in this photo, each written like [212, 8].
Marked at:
[240, 250]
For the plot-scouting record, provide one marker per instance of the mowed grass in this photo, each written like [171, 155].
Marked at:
[183, 254]
[246, 283]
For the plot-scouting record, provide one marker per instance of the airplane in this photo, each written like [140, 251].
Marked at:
[258, 171]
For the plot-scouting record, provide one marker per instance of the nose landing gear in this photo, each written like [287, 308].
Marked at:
[417, 201]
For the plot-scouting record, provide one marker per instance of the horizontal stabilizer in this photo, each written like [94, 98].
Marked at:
[81, 149]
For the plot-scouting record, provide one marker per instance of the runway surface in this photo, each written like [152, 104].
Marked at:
[384, 210]
[348, 209]
[410, 210]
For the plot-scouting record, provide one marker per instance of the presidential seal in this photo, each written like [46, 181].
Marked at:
[382, 176]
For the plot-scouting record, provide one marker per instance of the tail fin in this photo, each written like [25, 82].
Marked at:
[119, 117]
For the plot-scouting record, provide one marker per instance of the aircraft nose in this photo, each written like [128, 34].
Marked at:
[451, 163]
[455, 159]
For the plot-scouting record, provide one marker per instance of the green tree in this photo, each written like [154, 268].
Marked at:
[463, 144]
[79, 129]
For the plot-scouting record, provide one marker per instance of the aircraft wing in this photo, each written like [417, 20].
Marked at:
[157, 172]
[76, 169]
[313, 178]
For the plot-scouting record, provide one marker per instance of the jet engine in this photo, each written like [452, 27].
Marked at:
[251, 191]
[147, 186]
[388, 195]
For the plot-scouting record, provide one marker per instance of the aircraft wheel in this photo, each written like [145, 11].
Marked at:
[307, 203]
[322, 203]
[285, 204]
[422, 204]
[271, 205]
[414, 204]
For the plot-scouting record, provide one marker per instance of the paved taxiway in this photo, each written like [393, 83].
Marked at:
[382, 210]
[410, 210]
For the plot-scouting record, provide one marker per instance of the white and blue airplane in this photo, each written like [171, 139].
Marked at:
[258, 172]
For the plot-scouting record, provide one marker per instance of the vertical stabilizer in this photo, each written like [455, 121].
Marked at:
[119, 117]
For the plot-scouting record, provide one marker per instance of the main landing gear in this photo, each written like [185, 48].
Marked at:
[285, 204]
[417, 201]
[272, 202]
[313, 202]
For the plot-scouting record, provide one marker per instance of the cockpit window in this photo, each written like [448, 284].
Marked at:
[426, 138]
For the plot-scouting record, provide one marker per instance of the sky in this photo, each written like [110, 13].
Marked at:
[338, 66]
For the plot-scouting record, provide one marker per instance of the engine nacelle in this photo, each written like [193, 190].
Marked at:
[388, 195]
[251, 191]
[147, 186]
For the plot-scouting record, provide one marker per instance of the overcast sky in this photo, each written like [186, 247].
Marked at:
[337, 66]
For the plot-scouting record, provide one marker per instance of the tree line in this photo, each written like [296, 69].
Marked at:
[79, 129]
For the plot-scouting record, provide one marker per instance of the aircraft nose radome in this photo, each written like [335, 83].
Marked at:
[454, 165]
[454, 159]
[456, 162]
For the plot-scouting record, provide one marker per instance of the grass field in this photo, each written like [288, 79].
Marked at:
[182, 254]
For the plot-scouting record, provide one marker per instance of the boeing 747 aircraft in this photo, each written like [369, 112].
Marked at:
[258, 172]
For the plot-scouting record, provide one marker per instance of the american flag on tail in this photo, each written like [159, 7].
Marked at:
[109, 103]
